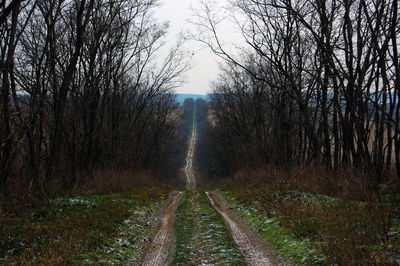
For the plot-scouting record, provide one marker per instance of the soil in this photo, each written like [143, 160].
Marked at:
[157, 251]
[254, 249]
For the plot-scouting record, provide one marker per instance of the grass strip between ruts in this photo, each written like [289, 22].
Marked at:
[201, 236]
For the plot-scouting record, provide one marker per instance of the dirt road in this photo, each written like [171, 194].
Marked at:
[157, 252]
[199, 236]
[254, 249]
[190, 179]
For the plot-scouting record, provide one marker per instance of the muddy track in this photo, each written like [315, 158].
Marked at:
[190, 179]
[254, 249]
[157, 251]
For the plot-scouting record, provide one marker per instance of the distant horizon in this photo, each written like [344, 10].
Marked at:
[181, 93]
[182, 96]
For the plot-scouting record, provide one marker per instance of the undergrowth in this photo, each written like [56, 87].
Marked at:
[298, 251]
[361, 227]
[68, 230]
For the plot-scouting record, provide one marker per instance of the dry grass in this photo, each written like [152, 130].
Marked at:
[20, 192]
[345, 217]
[111, 181]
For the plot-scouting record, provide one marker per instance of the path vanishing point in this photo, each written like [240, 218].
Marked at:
[254, 249]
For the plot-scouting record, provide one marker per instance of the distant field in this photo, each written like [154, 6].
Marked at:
[181, 97]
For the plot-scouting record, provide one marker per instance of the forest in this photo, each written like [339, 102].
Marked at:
[311, 105]
[319, 88]
[84, 92]
[293, 158]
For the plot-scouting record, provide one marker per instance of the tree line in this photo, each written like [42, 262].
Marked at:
[84, 86]
[317, 84]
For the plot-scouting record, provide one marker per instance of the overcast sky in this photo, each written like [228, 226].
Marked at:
[205, 66]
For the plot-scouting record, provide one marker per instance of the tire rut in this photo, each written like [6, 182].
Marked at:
[254, 249]
[157, 251]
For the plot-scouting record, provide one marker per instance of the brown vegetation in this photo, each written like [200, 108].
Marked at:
[318, 85]
[353, 225]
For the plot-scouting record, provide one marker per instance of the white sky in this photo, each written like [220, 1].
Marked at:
[204, 67]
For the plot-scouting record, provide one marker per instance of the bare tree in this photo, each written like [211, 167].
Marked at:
[330, 67]
[85, 88]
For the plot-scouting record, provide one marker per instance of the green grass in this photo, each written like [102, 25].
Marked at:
[133, 236]
[296, 250]
[310, 228]
[201, 235]
[95, 229]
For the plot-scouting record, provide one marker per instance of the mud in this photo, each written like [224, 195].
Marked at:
[252, 246]
[157, 251]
